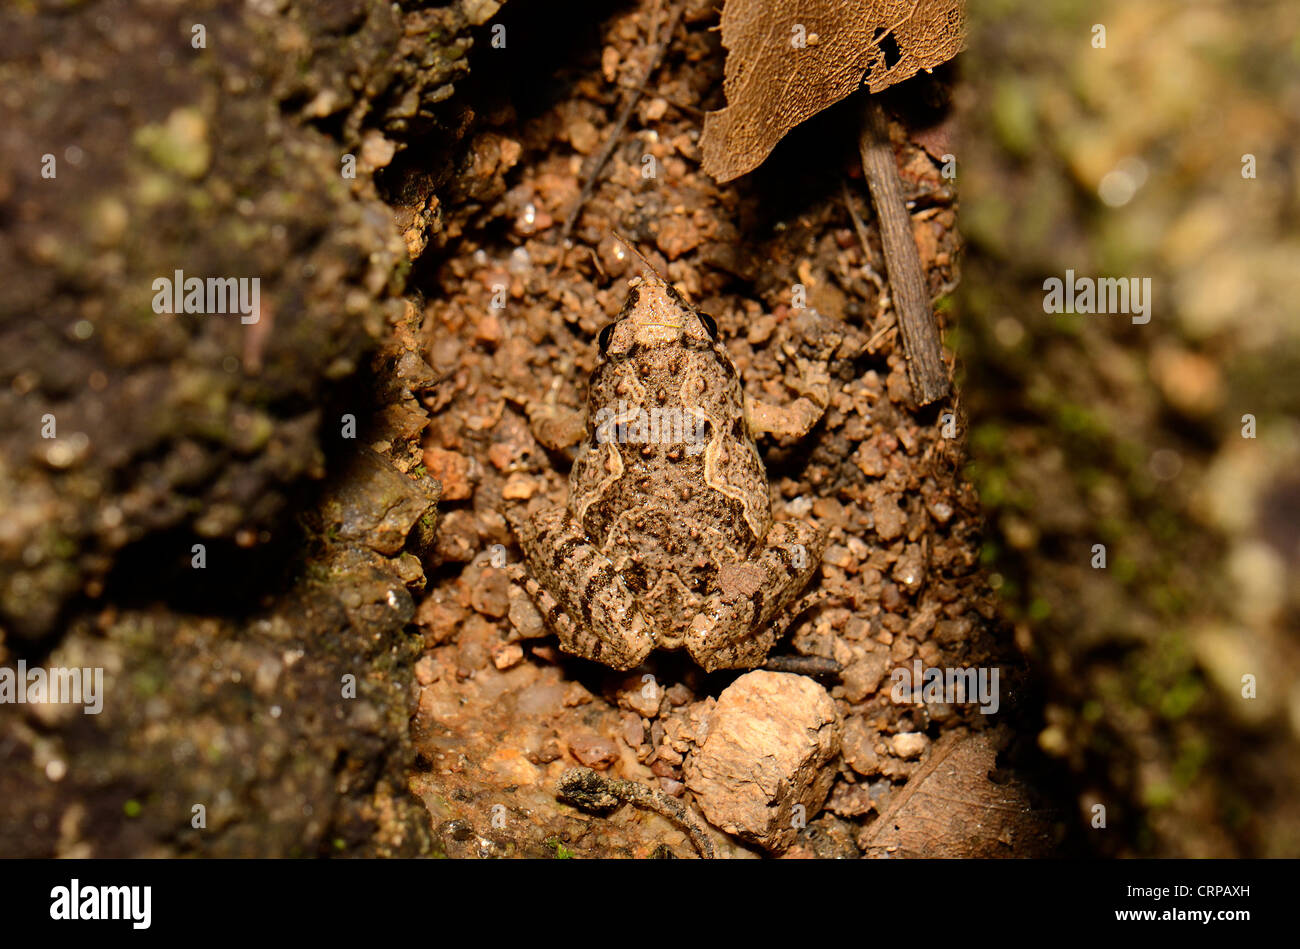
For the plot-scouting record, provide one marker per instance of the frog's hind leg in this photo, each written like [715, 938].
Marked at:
[742, 620]
[588, 605]
[552, 613]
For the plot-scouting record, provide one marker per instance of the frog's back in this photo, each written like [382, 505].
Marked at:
[669, 466]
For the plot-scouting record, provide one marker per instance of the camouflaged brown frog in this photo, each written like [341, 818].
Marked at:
[667, 540]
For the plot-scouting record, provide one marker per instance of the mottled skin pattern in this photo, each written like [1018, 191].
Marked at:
[666, 542]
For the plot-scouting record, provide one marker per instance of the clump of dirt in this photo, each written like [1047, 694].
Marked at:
[511, 319]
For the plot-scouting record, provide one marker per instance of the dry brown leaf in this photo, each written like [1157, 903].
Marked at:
[772, 85]
[952, 808]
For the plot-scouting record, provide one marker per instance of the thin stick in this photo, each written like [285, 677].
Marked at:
[633, 248]
[642, 257]
[812, 666]
[921, 344]
[688, 109]
[882, 292]
[633, 96]
[598, 794]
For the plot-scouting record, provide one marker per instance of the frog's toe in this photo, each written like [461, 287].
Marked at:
[616, 638]
[749, 611]
[729, 644]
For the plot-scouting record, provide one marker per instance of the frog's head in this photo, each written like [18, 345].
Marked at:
[655, 315]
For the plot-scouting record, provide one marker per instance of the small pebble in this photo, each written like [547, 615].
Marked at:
[506, 655]
[909, 744]
[594, 751]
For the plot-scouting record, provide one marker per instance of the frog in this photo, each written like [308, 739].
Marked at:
[667, 539]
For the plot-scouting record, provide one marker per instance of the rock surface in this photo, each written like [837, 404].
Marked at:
[771, 741]
[273, 686]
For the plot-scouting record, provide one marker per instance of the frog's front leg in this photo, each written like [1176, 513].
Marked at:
[740, 622]
[580, 594]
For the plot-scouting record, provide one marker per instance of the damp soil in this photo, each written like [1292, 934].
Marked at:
[510, 319]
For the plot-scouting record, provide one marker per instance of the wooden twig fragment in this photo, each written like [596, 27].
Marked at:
[921, 345]
[882, 290]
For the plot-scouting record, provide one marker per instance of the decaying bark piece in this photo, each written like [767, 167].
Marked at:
[770, 744]
[786, 62]
[925, 367]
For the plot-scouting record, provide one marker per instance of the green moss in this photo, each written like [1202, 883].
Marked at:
[179, 145]
[397, 279]
[1009, 591]
[1124, 568]
[148, 682]
[1193, 753]
[988, 438]
[1158, 796]
[1014, 120]
[1181, 698]
[995, 489]
[1065, 324]
[990, 553]
[1168, 600]
[1079, 421]
[561, 852]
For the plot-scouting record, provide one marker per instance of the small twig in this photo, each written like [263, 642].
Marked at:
[589, 791]
[633, 96]
[857, 223]
[640, 256]
[921, 344]
[812, 666]
[682, 106]
[882, 296]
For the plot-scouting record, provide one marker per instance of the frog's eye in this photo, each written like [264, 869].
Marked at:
[709, 325]
[605, 334]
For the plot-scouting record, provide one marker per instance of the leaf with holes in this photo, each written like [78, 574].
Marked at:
[786, 61]
[953, 807]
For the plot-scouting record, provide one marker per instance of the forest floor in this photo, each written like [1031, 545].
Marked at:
[510, 324]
